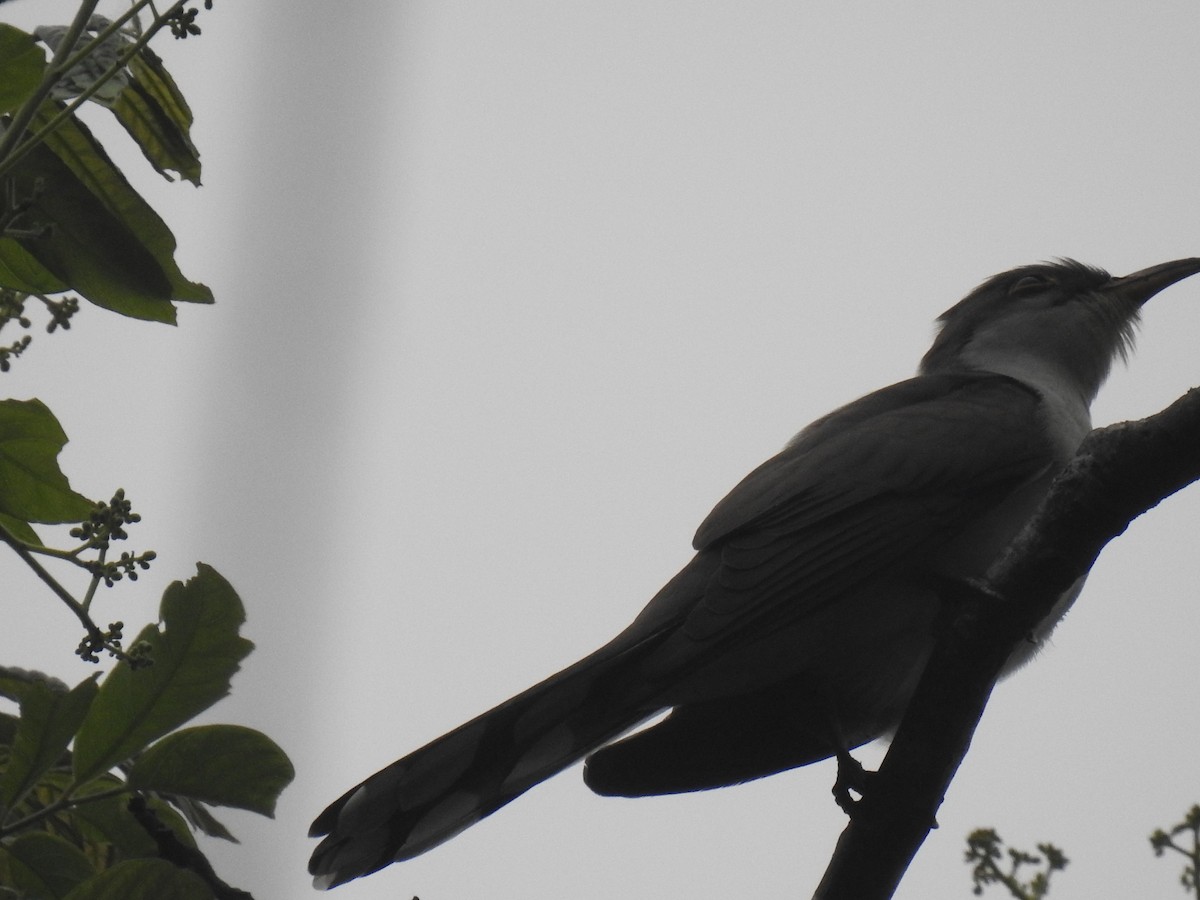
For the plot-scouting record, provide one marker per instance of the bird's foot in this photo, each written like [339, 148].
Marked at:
[852, 779]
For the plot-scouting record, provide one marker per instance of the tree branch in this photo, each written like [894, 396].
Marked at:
[1119, 473]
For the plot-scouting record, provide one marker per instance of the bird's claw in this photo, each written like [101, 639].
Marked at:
[851, 776]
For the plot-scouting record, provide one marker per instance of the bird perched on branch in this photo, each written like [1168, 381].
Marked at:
[800, 628]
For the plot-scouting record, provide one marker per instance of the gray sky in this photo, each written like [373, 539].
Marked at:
[509, 295]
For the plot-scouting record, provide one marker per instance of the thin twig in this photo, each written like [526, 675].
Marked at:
[63, 594]
[67, 799]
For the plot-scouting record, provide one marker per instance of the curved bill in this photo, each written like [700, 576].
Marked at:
[1141, 286]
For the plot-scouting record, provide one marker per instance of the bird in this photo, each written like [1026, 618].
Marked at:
[799, 629]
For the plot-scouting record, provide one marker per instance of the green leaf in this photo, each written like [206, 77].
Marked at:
[225, 765]
[143, 879]
[86, 228]
[77, 238]
[153, 111]
[198, 816]
[22, 63]
[49, 719]
[109, 822]
[43, 865]
[16, 682]
[8, 729]
[195, 653]
[75, 146]
[21, 272]
[32, 487]
[19, 529]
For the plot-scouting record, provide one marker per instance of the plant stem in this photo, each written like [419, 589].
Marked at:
[67, 799]
[24, 115]
[63, 594]
[10, 152]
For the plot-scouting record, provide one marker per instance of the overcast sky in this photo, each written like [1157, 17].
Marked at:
[510, 294]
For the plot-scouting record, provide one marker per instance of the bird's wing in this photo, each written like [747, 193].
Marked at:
[888, 478]
[966, 430]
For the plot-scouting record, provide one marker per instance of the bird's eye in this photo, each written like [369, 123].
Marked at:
[1027, 285]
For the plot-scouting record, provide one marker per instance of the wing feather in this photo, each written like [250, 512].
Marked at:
[881, 483]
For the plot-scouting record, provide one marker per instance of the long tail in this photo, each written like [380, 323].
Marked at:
[451, 783]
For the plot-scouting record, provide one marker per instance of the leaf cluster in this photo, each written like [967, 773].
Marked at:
[1184, 839]
[100, 781]
[105, 785]
[985, 853]
[69, 218]
[33, 489]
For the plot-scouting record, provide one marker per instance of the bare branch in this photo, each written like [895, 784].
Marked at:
[1119, 473]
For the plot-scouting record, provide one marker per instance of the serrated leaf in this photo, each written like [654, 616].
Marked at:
[44, 865]
[22, 63]
[224, 765]
[153, 111]
[195, 654]
[143, 879]
[32, 487]
[49, 719]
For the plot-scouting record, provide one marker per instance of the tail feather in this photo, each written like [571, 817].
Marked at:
[451, 783]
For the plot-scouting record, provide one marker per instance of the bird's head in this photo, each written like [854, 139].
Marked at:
[1061, 321]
